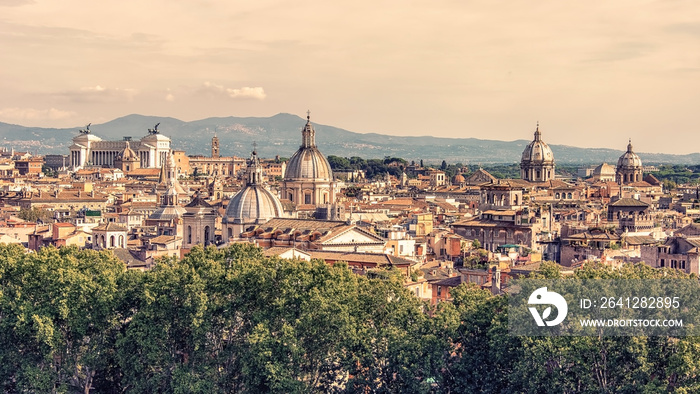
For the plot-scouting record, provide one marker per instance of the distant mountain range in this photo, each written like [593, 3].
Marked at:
[281, 135]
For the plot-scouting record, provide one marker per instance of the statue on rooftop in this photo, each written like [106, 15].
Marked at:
[154, 130]
[86, 130]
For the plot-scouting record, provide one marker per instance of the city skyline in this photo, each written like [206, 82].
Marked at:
[593, 75]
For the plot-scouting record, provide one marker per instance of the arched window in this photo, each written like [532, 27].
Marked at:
[111, 241]
[121, 241]
[206, 235]
[557, 196]
[189, 234]
[568, 196]
[230, 232]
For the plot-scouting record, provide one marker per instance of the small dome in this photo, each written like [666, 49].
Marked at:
[459, 178]
[253, 204]
[128, 154]
[538, 152]
[604, 169]
[629, 158]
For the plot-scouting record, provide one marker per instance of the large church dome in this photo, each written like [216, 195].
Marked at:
[308, 162]
[537, 163]
[629, 159]
[538, 152]
[253, 204]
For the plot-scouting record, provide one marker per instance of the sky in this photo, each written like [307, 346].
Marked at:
[593, 73]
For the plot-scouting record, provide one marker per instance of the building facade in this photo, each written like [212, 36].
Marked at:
[89, 149]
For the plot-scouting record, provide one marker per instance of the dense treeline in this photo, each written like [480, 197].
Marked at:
[672, 175]
[232, 320]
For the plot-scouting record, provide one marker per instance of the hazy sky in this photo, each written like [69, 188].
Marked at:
[593, 73]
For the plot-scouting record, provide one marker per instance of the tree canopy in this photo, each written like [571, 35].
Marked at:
[232, 320]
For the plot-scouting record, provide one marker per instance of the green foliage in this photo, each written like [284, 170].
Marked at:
[476, 244]
[48, 171]
[373, 168]
[232, 320]
[58, 319]
[672, 175]
[34, 214]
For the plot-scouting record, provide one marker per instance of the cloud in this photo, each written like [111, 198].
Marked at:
[98, 94]
[169, 97]
[217, 91]
[31, 114]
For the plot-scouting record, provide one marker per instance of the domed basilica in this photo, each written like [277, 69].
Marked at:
[255, 204]
[308, 179]
[629, 167]
[537, 163]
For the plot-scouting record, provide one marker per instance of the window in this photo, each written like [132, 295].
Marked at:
[439, 292]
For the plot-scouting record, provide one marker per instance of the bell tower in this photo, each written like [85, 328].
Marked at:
[215, 147]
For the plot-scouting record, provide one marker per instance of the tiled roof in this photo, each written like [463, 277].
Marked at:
[302, 224]
[163, 239]
[450, 282]
[278, 250]
[640, 240]
[367, 258]
[629, 202]
[109, 227]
